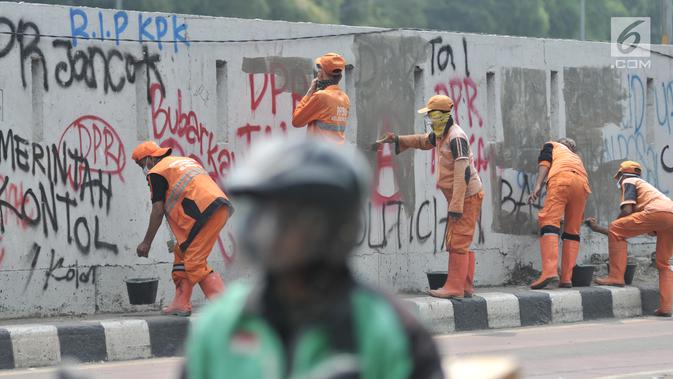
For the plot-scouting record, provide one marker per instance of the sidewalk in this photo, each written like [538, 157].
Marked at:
[45, 342]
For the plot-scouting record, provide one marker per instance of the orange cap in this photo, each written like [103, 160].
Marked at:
[149, 149]
[629, 167]
[331, 63]
[438, 103]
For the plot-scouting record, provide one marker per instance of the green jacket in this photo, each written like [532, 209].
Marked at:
[231, 341]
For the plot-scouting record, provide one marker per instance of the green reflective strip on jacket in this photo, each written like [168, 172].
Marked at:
[227, 343]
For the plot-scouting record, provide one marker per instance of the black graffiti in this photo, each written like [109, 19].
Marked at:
[46, 212]
[664, 166]
[35, 251]
[63, 166]
[467, 67]
[45, 205]
[517, 202]
[377, 216]
[80, 66]
[442, 55]
[27, 35]
[59, 271]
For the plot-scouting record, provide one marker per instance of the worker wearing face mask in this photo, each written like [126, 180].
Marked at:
[196, 210]
[567, 192]
[325, 106]
[458, 179]
[644, 210]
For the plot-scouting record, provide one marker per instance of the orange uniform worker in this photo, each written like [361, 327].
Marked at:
[461, 185]
[567, 193]
[325, 106]
[643, 210]
[196, 210]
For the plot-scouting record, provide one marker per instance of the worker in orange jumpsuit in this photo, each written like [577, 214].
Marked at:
[567, 193]
[460, 183]
[196, 210]
[644, 210]
[325, 106]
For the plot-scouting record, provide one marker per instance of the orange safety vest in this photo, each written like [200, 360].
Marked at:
[191, 199]
[325, 112]
[564, 160]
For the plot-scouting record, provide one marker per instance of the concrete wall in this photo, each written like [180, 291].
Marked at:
[74, 205]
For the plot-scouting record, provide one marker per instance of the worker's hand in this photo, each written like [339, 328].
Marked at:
[591, 223]
[143, 249]
[312, 87]
[535, 195]
[455, 216]
[387, 137]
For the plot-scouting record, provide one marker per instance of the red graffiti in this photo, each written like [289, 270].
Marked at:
[462, 90]
[98, 142]
[480, 162]
[227, 257]
[14, 195]
[182, 131]
[2, 252]
[294, 82]
[384, 160]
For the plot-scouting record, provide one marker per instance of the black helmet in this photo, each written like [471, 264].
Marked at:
[308, 171]
[308, 189]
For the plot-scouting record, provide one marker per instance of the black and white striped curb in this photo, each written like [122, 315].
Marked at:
[526, 308]
[38, 345]
[92, 341]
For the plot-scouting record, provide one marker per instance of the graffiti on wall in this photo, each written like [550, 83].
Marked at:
[69, 198]
[92, 66]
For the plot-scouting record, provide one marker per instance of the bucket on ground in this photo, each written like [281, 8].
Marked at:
[583, 275]
[142, 290]
[436, 279]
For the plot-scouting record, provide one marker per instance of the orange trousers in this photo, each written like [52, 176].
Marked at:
[636, 224]
[567, 195]
[460, 232]
[193, 263]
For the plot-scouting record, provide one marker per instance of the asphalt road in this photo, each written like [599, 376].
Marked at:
[632, 348]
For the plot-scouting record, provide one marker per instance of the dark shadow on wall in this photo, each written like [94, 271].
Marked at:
[385, 96]
[525, 122]
[594, 98]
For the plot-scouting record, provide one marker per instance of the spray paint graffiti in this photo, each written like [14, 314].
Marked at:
[86, 65]
[154, 28]
[48, 206]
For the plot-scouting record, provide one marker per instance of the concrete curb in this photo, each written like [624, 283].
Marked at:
[23, 346]
[494, 310]
[35, 345]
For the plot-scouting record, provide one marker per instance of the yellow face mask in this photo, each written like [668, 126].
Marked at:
[437, 121]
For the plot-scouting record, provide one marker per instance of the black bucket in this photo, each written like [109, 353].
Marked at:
[583, 275]
[436, 279]
[629, 273]
[142, 291]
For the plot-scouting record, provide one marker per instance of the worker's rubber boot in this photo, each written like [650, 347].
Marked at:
[455, 279]
[570, 250]
[182, 304]
[618, 251]
[469, 279]
[549, 254]
[665, 293]
[212, 285]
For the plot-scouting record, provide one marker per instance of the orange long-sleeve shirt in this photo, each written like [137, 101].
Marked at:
[325, 112]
